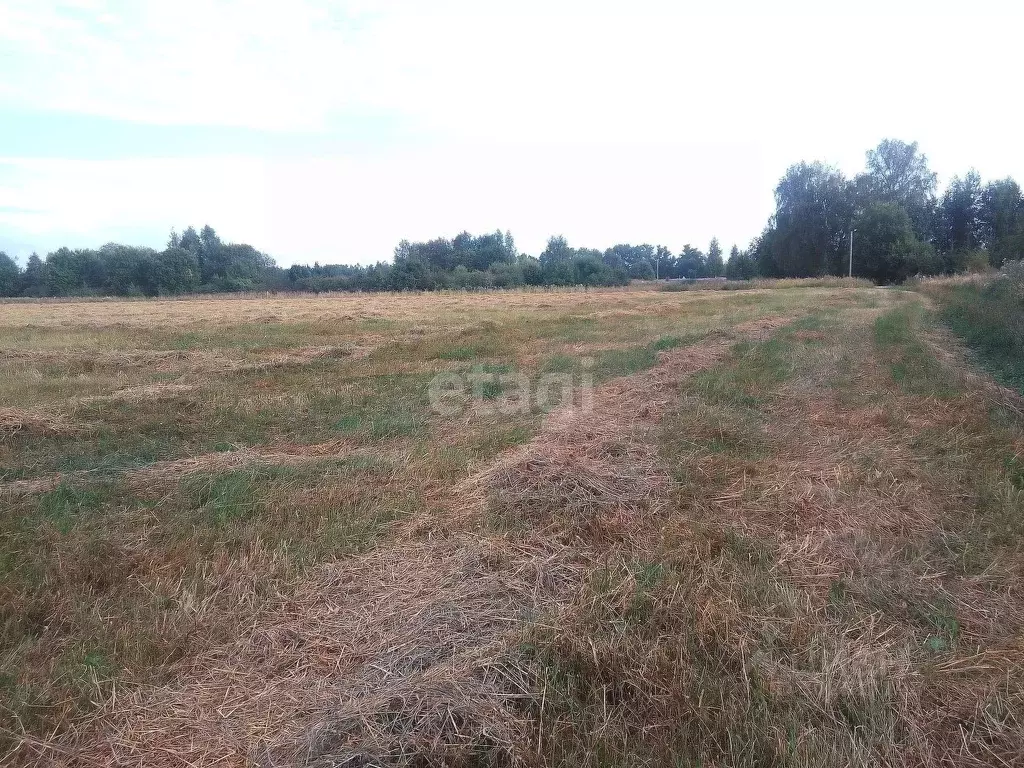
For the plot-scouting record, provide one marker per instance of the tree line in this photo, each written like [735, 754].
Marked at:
[492, 261]
[191, 262]
[200, 262]
[901, 227]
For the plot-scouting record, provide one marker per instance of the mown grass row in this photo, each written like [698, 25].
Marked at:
[108, 578]
[756, 631]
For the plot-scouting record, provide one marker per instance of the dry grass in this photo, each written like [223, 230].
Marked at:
[15, 421]
[325, 308]
[351, 310]
[409, 653]
[782, 544]
[766, 284]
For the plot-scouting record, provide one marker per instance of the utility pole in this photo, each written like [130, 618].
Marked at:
[851, 251]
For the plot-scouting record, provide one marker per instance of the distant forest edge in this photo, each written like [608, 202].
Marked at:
[902, 228]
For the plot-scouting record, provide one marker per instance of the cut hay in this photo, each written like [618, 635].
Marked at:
[409, 655]
[570, 598]
[190, 362]
[14, 421]
[586, 475]
[775, 564]
[387, 658]
[303, 356]
[142, 394]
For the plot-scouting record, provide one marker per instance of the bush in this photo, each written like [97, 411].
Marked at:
[973, 262]
[989, 316]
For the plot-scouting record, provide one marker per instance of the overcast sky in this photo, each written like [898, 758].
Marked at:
[331, 130]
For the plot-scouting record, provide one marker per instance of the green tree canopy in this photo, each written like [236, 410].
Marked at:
[557, 251]
[691, 263]
[741, 265]
[960, 215]
[10, 276]
[898, 173]
[715, 265]
[813, 211]
[886, 249]
[1002, 221]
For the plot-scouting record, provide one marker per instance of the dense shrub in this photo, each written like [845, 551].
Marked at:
[989, 316]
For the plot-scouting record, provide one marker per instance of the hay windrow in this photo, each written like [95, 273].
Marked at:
[142, 394]
[773, 563]
[408, 654]
[385, 657]
[191, 362]
[15, 421]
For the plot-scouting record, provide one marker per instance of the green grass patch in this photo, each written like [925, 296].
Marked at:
[561, 364]
[465, 352]
[1014, 467]
[990, 320]
[246, 337]
[897, 334]
[373, 408]
[65, 503]
[226, 498]
[349, 423]
[668, 342]
[332, 506]
[382, 425]
[625, 361]
[753, 373]
[486, 340]
[814, 322]
[388, 426]
[612, 363]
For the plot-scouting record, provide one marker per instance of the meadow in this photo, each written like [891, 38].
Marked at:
[773, 526]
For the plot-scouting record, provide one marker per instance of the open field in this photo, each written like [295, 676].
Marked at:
[782, 527]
